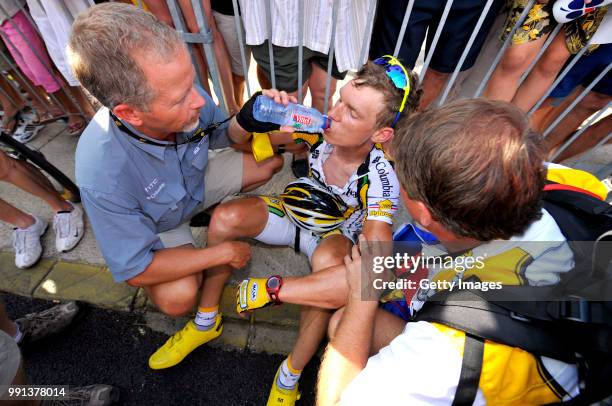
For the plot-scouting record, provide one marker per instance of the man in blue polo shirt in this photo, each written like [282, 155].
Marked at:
[144, 168]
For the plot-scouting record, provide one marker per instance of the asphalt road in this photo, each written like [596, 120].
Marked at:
[112, 348]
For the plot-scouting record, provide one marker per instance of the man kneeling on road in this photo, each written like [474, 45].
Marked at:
[144, 168]
[472, 174]
[351, 188]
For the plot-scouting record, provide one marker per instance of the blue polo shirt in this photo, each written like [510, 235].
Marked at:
[132, 191]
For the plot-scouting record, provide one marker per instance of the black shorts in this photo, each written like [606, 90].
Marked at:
[455, 35]
[286, 64]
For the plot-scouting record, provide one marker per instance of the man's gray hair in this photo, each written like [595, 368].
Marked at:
[102, 47]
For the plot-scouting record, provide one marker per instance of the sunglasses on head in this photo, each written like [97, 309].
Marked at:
[399, 76]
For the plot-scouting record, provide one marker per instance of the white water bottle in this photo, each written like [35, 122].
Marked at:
[300, 117]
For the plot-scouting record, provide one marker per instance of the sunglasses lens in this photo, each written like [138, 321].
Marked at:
[397, 76]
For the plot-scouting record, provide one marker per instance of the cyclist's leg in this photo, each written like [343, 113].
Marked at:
[314, 320]
[387, 326]
[255, 174]
[245, 217]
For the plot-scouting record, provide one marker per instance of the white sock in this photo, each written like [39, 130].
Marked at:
[288, 377]
[18, 334]
[206, 317]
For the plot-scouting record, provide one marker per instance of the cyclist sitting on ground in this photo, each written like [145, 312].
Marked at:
[351, 188]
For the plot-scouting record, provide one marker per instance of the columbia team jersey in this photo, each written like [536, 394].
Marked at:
[371, 193]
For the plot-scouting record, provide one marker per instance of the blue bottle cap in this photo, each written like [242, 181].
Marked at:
[326, 122]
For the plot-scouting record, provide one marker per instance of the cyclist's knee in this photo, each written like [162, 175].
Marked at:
[229, 219]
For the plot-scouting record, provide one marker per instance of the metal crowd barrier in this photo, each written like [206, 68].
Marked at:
[205, 38]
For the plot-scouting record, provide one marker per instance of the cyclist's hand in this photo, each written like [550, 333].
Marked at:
[247, 121]
[238, 253]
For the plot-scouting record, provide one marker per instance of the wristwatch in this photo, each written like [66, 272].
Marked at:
[273, 285]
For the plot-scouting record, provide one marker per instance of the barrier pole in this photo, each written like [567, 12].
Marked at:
[565, 71]
[238, 23]
[447, 7]
[300, 96]
[464, 55]
[268, 4]
[207, 41]
[179, 26]
[400, 38]
[577, 100]
[330, 57]
[538, 56]
[578, 133]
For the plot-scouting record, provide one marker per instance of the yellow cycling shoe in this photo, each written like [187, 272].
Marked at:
[182, 343]
[282, 397]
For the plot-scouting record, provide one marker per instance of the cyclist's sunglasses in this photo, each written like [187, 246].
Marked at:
[399, 76]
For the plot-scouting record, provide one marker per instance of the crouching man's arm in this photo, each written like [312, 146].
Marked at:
[134, 252]
[347, 353]
[170, 264]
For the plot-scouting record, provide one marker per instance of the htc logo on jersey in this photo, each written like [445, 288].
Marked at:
[384, 179]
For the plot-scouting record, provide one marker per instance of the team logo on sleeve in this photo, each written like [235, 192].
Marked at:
[384, 208]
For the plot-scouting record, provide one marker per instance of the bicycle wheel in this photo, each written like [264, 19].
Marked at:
[71, 191]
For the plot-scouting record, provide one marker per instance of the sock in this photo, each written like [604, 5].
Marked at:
[206, 317]
[18, 334]
[288, 376]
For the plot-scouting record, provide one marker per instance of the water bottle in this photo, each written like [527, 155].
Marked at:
[300, 117]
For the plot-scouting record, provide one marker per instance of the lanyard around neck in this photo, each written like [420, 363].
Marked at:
[197, 135]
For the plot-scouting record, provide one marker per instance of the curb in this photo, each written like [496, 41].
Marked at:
[272, 330]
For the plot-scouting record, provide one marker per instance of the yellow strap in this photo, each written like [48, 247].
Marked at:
[261, 146]
[576, 178]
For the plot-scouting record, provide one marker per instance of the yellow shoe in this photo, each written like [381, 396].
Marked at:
[282, 397]
[182, 343]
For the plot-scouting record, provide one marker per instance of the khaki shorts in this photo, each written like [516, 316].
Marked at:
[227, 28]
[10, 358]
[540, 22]
[223, 178]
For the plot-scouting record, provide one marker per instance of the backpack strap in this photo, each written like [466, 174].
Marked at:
[471, 367]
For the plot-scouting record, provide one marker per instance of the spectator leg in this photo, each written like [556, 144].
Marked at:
[432, 87]
[239, 86]
[11, 103]
[316, 83]
[31, 180]
[159, 8]
[543, 74]
[504, 81]
[592, 103]
[15, 217]
[221, 54]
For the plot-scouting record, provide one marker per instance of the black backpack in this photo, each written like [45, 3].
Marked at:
[563, 323]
